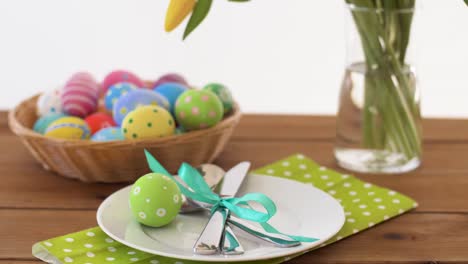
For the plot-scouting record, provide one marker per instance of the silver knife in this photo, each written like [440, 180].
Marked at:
[209, 241]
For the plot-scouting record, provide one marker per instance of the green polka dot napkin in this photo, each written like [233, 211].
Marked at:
[365, 205]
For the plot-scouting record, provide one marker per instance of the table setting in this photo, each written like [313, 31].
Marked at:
[339, 205]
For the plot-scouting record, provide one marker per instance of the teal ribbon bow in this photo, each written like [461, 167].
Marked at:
[197, 189]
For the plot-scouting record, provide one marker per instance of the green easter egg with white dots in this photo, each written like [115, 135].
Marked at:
[155, 200]
[223, 93]
[198, 109]
[148, 122]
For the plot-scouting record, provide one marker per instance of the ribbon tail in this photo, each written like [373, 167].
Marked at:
[154, 165]
[270, 229]
[232, 241]
[271, 209]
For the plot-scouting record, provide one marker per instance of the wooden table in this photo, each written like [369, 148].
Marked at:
[36, 204]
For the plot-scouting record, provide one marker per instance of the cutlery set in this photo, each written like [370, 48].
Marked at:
[218, 237]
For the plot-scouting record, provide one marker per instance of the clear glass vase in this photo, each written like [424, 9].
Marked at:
[379, 120]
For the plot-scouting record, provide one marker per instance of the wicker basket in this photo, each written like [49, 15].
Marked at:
[118, 161]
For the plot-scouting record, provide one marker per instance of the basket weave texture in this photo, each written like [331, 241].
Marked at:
[118, 161]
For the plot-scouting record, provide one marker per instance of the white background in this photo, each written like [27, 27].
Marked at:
[276, 55]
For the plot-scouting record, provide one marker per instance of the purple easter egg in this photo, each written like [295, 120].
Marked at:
[170, 77]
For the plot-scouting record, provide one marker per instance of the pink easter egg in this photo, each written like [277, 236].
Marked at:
[120, 76]
[80, 95]
[170, 77]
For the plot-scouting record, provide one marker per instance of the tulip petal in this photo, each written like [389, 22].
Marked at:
[177, 11]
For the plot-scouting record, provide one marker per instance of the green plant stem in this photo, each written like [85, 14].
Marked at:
[390, 114]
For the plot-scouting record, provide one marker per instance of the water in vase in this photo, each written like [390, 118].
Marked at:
[370, 136]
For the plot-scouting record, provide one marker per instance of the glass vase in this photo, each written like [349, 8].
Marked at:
[379, 119]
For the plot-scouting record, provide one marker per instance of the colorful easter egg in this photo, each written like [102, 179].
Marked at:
[134, 99]
[42, 123]
[170, 77]
[49, 103]
[120, 76]
[115, 92]
[80, 95]
[108, 134]
[223, 94]
[198, 109]
[68, 128]
[171, 91]
[98, 121]
[155, 200]
[148, 122]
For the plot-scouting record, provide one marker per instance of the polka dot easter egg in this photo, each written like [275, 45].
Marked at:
[98, 121]
[80, 95]
[120, 76]
[108, 134]
[134, 99]
[115, 92]
[49, 103]
[171, 91]
[155, 200]
[42, 123]
[170, 77]
[223, 94]
[198, 109]
[148, 122]
[68, 128]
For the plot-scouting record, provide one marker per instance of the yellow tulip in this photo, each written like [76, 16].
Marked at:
[177, 11]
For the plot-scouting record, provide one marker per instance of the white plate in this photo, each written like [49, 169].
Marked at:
[302, 210]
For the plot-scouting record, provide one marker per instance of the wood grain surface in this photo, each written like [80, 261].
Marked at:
[36, 204]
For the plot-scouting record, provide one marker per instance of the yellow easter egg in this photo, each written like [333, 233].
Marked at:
[68, 128]
[148, 122]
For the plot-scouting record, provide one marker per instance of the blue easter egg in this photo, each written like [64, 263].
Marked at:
[115, 92]
[171, 91]
[135, 98]
[108, 134]
[42, 123]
